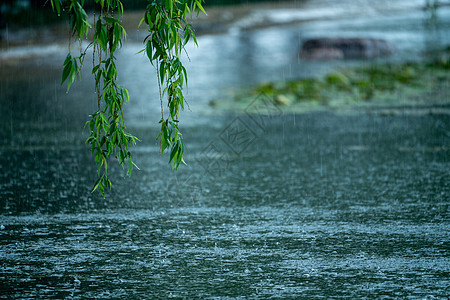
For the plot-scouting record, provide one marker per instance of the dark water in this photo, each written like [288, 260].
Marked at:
[318, 206]
[314, 205]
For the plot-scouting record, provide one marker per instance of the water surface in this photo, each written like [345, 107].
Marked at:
[315, 205]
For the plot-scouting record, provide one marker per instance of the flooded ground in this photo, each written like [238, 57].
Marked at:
[316, 205]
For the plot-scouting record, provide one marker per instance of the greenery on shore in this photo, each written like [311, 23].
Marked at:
[378, 84]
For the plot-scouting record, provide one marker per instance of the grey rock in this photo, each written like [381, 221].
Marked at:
[344, 48]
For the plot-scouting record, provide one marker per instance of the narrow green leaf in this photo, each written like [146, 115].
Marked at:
[95, 68]
[120, 8]
[185, 74]
[199, 4]
[57, 6]
[130, 166]
[96, 184]
[111, 20]
[102, 189]
[121, 157]
[72, 74]
[140, 22]
[162, 71]
[124, 33]
[148, 49]
[66, 71]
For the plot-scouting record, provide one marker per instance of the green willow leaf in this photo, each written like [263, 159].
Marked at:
[111, 20]
[66, 71]
[169, 31]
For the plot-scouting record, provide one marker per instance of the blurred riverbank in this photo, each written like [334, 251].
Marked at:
[230, 19]
[241, 47]
[217, 20]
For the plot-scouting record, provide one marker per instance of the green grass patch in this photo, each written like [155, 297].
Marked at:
[378, 84]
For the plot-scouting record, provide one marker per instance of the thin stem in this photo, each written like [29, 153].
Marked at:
[98, 82]
[161, 101]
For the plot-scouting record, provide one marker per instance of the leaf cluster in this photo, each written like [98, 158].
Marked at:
[169, 32]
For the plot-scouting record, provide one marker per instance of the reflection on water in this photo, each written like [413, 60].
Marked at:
[307, 205]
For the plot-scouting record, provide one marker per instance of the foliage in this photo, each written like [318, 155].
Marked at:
[169, 32]
[377, 83]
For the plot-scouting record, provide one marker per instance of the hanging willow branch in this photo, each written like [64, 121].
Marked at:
[169, 32]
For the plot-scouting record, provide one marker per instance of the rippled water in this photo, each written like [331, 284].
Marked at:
[335, 207]
[316, 205]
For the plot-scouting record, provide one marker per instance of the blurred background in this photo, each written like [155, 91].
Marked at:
[310, 172]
